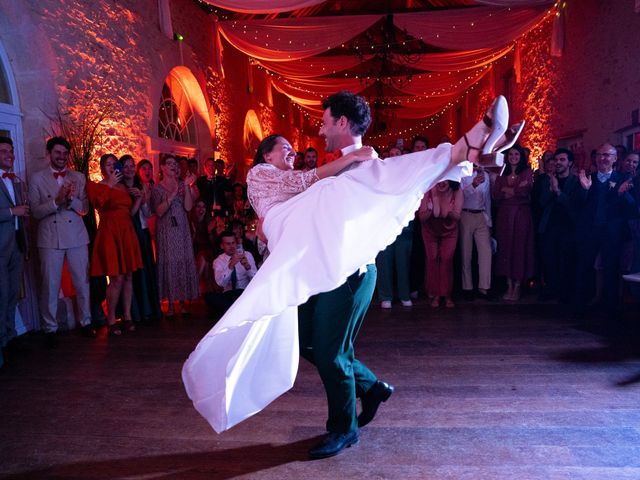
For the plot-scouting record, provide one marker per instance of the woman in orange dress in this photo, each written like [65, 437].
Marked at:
[116, 251]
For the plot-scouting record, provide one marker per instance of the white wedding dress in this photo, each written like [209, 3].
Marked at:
[317, 238]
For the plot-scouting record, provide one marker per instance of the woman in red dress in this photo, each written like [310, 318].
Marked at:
[116, 251]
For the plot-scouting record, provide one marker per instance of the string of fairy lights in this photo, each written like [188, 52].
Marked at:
[312, 116]
[400, 101]
[322, 70]
[424, 125]
[265, 42]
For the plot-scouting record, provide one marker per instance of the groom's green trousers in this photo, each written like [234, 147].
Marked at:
[328, 325]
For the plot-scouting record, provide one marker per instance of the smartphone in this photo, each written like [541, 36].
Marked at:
[117, 167]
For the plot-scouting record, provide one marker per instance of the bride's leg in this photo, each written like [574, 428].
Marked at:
[476, 137]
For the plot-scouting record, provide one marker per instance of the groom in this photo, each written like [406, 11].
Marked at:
[329, 322]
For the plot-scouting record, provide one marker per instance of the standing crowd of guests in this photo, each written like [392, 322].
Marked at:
[154, 241]
[574, 231]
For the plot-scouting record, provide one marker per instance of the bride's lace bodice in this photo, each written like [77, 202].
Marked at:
[268, 185]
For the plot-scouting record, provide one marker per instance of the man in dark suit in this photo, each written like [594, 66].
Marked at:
[214, 188]
[13, 244]
[557, 226]
[329, 322]
[602, 213]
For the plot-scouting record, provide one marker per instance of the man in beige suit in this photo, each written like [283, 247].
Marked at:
[58, 200]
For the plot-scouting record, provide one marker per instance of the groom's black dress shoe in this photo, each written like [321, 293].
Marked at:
[333, 444]
[380, 392]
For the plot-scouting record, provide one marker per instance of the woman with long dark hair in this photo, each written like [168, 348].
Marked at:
[146, 303]
[514, 223]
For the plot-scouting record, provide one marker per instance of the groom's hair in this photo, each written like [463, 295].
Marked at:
[354, 108]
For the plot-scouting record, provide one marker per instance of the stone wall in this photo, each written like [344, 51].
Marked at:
[588, 93]
[598, 75]
[75, 56]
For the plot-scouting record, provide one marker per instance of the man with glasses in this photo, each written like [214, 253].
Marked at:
[601, 216]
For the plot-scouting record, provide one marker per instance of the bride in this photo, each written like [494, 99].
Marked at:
[315, 222]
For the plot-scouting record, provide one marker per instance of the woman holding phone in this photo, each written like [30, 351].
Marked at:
[116, 252]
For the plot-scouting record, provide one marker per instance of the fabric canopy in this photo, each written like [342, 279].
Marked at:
[483, 27]
[518, 3]
[277, 6]
[286, 39]
[311, 57]
[335, 65]
[263, 6]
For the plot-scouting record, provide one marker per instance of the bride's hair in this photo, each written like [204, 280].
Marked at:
[266, 145]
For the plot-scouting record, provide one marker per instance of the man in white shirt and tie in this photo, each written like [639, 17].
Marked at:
[233, 270]
[475, 225]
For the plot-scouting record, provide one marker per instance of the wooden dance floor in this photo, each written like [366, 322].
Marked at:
[484, 391]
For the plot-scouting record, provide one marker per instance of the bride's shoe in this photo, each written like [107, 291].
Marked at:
[497, 122]
[511, 136]
[494, 158]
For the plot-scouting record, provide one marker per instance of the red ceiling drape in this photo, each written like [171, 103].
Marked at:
[286, 39]
[299, 52]
[472, 28]
[264, 6]
[276, 6]
[319, 66]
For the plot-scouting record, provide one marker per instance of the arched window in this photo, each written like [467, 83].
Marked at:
[10, 115]
[5, 98]
[175, 118]
[5, 92]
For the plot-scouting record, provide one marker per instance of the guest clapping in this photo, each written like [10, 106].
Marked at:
[146, 302]
[514, 224]
[171, 200]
